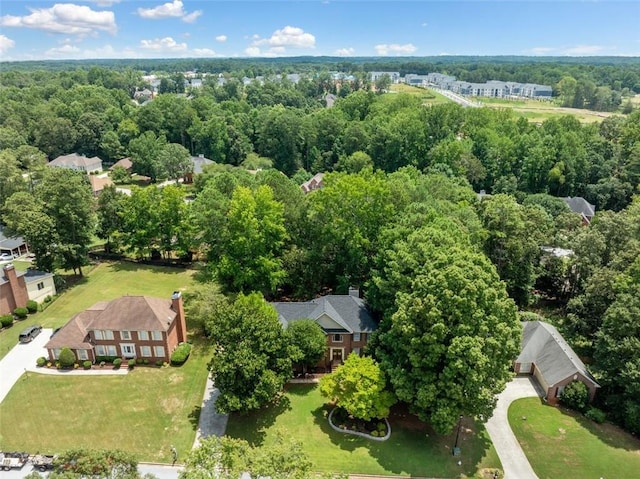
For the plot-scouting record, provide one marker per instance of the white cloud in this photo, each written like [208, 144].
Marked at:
[203, 52]
[63, 51]
[288, 37]
[104, 3]
[173, 9]
[66, 18]
[344, 52]
[584, 50]
[166, 44]
[252, 51]
[6, 43]
[277, 50]
[221, 38]
[395, 48]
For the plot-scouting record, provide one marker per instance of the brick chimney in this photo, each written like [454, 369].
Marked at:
[19, 296]
[178, 307]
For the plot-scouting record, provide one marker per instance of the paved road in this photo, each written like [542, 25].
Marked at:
[514, 462]
[211, 422]
[21, 357]
[161, 471]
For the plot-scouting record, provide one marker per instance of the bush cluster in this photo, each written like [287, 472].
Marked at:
[575, 396]
[131, 363]
[20, 313]
[117, 362]
[66, 358]
[86, 365]
[41, 361]
[596, 415]
[106, 359]
[180, 355]
[32, 306]
[6, 320]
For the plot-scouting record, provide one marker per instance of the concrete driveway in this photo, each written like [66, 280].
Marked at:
[514, 462]
[19, 359]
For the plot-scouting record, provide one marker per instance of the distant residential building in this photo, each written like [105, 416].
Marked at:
[313, 184]
[416, 80]
[98, 184]
[579, 205]
[198, 163]
[125, 163]
[78, 163]
[16, 288]
[394, 76]
[14, 246]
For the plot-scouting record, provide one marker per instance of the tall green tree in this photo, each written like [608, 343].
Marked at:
[252, 360]
[448, 347]
[110, 214]
[251, 244]
[175, 161]
[308, 342]
[145, 153]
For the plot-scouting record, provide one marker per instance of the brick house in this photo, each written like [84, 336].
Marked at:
[13, 290]
[547, 356]
[127, 327]
[344, 319]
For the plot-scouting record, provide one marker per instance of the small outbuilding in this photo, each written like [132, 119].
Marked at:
[547, 356]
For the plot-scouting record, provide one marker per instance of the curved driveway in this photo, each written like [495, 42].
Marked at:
[514, 462]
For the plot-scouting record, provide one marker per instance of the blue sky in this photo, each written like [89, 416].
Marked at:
[40, 29]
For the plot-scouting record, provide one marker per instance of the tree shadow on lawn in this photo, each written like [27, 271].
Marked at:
[129, 265]
[610, 434]
[253, 426]
[414, 448]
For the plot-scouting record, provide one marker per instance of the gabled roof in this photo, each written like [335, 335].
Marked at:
[579, 205]
[545, 347]
[98, 184]
[75, 160]
[72, 335]
[199, 162]
[126, 163]
[348, 312]
[313, 184]
[32, 275]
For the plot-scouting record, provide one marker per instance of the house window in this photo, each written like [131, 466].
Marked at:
[125, 335]
[82, 354]
[103, 334]
[156, 336]
[143, 335]
[158, 351]
[56, 353]
[111, 351]
[356, 336]
[40, 285]
[145, 351]
[101, 350]
[337, 338]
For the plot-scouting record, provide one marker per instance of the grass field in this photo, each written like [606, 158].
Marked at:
[143, 412]
[105, 282]
[429, 97]
[538, 111]
[562, 444]
[413, 448]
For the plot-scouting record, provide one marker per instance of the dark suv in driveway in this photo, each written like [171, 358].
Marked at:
[28, 334]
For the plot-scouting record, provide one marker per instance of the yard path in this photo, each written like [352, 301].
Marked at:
[211, 422]
[514, 463]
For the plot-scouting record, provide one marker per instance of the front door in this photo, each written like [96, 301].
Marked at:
[128, 350]
[336, 355]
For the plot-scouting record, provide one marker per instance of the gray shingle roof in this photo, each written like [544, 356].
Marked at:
[579, 205]
[9, 243]
[199, 162]
[545, 347]
[349, 312]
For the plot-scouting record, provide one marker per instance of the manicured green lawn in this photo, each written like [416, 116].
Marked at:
[144, 412]
[105, 282]
[562, 444]
[413, 448]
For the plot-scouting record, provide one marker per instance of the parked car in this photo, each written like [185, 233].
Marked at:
[6, 257]
[28, 334]
[13, 460]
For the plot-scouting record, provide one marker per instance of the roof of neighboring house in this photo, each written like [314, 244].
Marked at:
[32, 275]
[200, 162]
[126, 163]
[349, 312]
[129, 313]
[75, 160]
[313, 184]
[9, 243]
[545, 347]
[98, 184]
[579, 205]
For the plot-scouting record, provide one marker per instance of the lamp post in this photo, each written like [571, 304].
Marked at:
[456, 449]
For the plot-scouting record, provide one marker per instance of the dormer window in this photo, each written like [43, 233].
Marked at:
[337, 338]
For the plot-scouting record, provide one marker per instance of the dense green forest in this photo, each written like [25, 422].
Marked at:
[398, 214]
